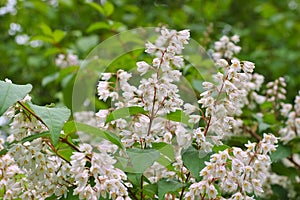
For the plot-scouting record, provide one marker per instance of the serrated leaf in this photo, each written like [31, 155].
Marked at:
[194, 160]
[125, 112]
[54, 118]
[11, 93]
[167, 186]
[140, 159]
[97, 26]
[100, 133]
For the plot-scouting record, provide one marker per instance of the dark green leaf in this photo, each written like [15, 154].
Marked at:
[11, 93]
[281, 153]
[167, 186]
[220, 148]
[194, 159]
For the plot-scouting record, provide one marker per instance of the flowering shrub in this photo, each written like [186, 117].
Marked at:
[150, 143]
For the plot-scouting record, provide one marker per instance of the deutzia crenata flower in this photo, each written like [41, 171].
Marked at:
[237, 172]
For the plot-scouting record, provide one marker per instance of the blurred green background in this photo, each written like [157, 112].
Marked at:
[35, 32]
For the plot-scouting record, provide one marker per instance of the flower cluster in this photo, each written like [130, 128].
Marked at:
[236, 171]
[156, 117]
[291, 129]
[226, 47]
[10, 8]
[156, 94]
[276, 91]
[225, 97]
[64, 61]
[101, 178]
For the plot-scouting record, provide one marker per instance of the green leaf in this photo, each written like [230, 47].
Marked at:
[50, 78]
[46, 29]
[124, 112]
[194, 160]
[220, 148]
[67, 71]
[261, 124]
[96, 7]
[35, 136]
[281, 153]
[283, 170]
[280, 192]
[58, 35]
[97, 26]
[70, 195]
[86, 43]
[168, 186]
[167, 154]
[69, 128]
[179, 116]
[140, 159]
[54, 118]
[65, 151]
[108, 8]
[11, 93]
[3, 151]
[100, 133]
[43, 38]
[135, 178]
[150, 190]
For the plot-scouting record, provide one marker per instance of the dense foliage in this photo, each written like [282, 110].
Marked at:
[181, 117]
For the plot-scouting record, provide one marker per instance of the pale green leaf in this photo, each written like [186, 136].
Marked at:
[140, 159]
[54, 118]
[11, 93]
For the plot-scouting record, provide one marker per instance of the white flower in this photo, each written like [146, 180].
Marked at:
[143, 67]
[248, 67]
